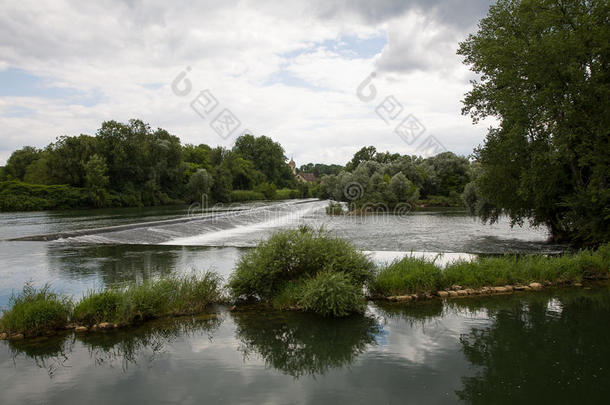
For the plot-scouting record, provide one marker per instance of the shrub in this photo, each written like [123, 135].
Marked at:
[287, 193]
[295, 255]
[246, 195]
[35, 311]
[267, 189]
[332, 294]
[19, 196]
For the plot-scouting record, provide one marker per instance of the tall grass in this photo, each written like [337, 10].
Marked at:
[409, 275]
[152, 299]
[415, 275]
[35, 311]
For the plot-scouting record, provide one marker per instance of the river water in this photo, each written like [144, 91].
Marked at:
[528, 347]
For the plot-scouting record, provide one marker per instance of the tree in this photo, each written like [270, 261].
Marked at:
[96, 180]
[199, 185]
[403, 189]
[544, 74]
[363, 155]
[18, 162]
[267, 156]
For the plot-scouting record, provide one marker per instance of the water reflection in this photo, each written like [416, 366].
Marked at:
[129, 346]
[300, 344]
[544, 347]
[542, 350]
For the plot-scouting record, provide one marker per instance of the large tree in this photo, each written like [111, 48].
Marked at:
[543, 74]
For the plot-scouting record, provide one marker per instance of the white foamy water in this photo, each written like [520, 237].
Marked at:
[243, 232]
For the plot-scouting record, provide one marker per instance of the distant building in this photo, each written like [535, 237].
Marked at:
[304, 177]
[293, 166]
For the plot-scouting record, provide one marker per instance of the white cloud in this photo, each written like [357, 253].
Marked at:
[272, 63]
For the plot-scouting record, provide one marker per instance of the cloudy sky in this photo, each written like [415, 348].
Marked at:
[293, 70]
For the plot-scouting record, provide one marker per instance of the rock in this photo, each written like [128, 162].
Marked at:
[535, 286]
[233, 308]
[442, 294]
[509, 287]
[577, 284]
[403, 298]
[429, 296]
[500, 289]
[485, 290]
[3, 336]
[17, 336]
[105, 325]
[80, 329]
[456, 287]
[453, 293]
[519, 287]
[462, 292]
[472, 291]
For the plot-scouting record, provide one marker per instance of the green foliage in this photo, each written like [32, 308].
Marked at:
[131, 164]
[386, 179]
[417, 275]
[199, 186]
[151, 299]
[246, 195]
[267, 156]
[96, 180]
[287, 193]
[293, 256]
[18, 162]
[332, 293]
[267, 189]
[544, 76]
[18, 196]
[96, 307]
[35, 311]
[409, 275]
[334, 208]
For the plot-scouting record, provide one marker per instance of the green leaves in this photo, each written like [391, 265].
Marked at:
[544, 74]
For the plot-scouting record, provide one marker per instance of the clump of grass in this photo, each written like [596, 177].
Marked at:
[152, 299]
[96, 307]
[35, 311]
[334, 208]
[332, 294]
[417, 275]
[409, 275]
[277, 269]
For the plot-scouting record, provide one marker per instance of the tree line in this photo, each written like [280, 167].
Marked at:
[389, 179]
[131, 164]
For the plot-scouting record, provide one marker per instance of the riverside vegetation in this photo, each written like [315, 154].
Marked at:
[34, 312]
[302, 269]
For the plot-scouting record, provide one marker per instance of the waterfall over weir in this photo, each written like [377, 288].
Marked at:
[242, 226]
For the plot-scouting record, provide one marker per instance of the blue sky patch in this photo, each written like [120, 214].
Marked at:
[19, 83]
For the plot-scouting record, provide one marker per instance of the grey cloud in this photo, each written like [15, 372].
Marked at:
[458, 13]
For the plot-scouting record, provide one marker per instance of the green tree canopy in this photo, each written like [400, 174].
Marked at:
[543, 73]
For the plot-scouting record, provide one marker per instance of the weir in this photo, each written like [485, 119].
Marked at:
[197, 227]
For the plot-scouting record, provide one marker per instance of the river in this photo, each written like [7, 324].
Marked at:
[527, 347]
